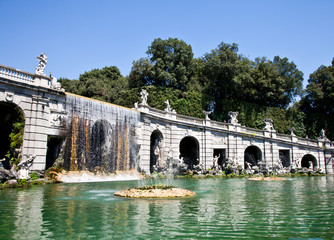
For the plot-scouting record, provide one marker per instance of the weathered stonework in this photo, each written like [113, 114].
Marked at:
[49, 112]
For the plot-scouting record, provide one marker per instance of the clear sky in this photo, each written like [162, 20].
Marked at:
[80, 35]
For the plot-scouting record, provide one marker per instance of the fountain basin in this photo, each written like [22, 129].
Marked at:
[267, 179]
[155, 192]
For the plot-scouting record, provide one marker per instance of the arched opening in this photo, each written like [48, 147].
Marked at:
[189, 151]
[284, 156]
[307, 160]
[253, 155]
[156, 150]
[101, 147]
[12, 124]
[53, 150]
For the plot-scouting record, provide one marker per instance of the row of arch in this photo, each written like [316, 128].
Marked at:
[253, 155]
[189, 147]
[189, 151]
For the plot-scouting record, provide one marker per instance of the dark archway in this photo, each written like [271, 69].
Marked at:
[284, 156]
[156, 150]
[54, 147]
[189, 151]
[305, 163]
[253, 155]
[101, 147]
[12, 122]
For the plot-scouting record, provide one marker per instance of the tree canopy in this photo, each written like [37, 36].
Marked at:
[220, 81]
[318, 103]
[169, 64]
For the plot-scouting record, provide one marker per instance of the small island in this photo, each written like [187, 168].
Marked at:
[155, 192]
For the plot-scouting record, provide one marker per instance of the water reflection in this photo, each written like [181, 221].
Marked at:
[232, 208]
[28, 214]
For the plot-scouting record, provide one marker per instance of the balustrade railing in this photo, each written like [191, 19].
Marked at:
[16, 74]
[283, 136]
[252, 131]
[189, 119]
[220, 124]
[307, 141]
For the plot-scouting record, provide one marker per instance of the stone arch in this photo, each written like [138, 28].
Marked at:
[189, 151]
[101, 145]
[252, 155]
[156, 146]
[11, 113]
[305, 162]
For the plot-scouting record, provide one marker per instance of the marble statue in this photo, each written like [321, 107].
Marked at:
[310, 165]
[24, 166]
[157, 152]
[168, 108]
[55, 84]
[170, 158]
[292, 131]
[42, 63]
[233, 117]
[215, 161]
[268, 124]
[207, 115]
[144, 95]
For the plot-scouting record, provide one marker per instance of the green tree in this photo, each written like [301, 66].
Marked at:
[104, 84]
[318, 103]
[71, 86]
[142, 73]
[275, 83]
[223, 72]
[169, 65]
[16, 137]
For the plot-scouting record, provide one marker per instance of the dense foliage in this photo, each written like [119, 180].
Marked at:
[16, 137]
[318, 103]
[221, 81]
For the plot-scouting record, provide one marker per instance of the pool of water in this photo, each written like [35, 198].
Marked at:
[298, 208]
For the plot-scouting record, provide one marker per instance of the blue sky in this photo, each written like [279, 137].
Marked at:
[79, 35]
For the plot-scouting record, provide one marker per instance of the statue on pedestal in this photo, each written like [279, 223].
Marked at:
[24, 166]
[233, 116]
[268, 124]
[144, 95]
[42, 63]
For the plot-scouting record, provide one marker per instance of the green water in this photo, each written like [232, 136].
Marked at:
[299, 208]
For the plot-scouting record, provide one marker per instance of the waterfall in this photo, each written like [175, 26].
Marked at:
[101, 137]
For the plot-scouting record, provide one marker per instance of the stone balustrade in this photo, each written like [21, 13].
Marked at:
[222, 125]
[15, 74]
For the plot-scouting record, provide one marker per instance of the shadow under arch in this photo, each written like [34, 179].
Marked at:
[12, 123]
[101, 146]
[305, 162]
[189, 151]
[156, 149]
[252, 155]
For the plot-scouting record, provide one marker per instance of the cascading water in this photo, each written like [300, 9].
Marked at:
[101, 137]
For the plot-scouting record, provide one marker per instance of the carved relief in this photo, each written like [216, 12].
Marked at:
[58, 120]
[219, 139]
[9, 96]
[188, 132]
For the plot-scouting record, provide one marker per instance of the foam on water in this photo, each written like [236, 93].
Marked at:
[76, 177]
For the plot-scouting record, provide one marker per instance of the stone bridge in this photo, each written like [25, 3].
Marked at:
[94, 135]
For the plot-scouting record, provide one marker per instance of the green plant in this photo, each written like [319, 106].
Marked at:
[22, 182]
[34, 176]
[16, 138]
